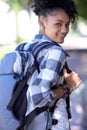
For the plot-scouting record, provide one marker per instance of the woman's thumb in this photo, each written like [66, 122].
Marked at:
[65, 73]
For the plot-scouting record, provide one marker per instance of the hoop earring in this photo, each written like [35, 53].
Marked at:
[41, 27]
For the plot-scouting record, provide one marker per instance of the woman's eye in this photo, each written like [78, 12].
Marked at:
[58, 24]
[67, 25]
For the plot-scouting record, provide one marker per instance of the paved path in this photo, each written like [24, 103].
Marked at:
[78, 62]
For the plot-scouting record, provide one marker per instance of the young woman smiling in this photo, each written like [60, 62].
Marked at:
[51, 86]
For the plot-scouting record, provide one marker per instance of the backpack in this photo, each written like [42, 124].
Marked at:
[15, 76]
[15, 69]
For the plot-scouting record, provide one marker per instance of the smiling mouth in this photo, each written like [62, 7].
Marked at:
[62, 36]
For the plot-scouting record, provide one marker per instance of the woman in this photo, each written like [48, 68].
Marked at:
[53, 83]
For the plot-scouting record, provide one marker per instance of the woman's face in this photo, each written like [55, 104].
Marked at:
[56, 25]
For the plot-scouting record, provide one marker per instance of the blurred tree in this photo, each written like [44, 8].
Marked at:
[82, 7]
[18, 5]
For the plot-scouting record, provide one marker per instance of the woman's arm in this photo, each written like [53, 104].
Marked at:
[50, 67]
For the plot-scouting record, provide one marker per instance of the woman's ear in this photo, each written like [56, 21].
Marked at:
[41, 21]
[41, 24]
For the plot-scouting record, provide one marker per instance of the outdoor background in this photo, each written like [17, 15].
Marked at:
[19, 24]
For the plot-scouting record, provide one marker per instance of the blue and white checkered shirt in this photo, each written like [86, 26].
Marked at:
[51, 62]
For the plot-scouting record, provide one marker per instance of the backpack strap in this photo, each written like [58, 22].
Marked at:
[67, 67]
[20, 85]
[28, 119]
[36, 48]
[68, 98]
[21, 46]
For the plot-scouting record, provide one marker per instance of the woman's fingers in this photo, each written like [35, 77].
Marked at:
[73, 79]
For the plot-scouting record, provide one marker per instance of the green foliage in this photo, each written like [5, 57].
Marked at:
[82, 7]
[17, 5]
[14, 4]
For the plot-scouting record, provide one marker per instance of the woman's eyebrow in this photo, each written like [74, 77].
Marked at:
[68, 21]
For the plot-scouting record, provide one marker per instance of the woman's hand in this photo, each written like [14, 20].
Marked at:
[72, 79]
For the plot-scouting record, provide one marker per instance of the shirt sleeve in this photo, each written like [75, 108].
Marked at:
[50, 67]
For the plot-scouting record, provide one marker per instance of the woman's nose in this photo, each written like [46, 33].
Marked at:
[65, 29]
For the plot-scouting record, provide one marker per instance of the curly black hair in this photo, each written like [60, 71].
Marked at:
[45, 7]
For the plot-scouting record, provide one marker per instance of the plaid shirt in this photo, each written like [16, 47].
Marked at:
[51, 62]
